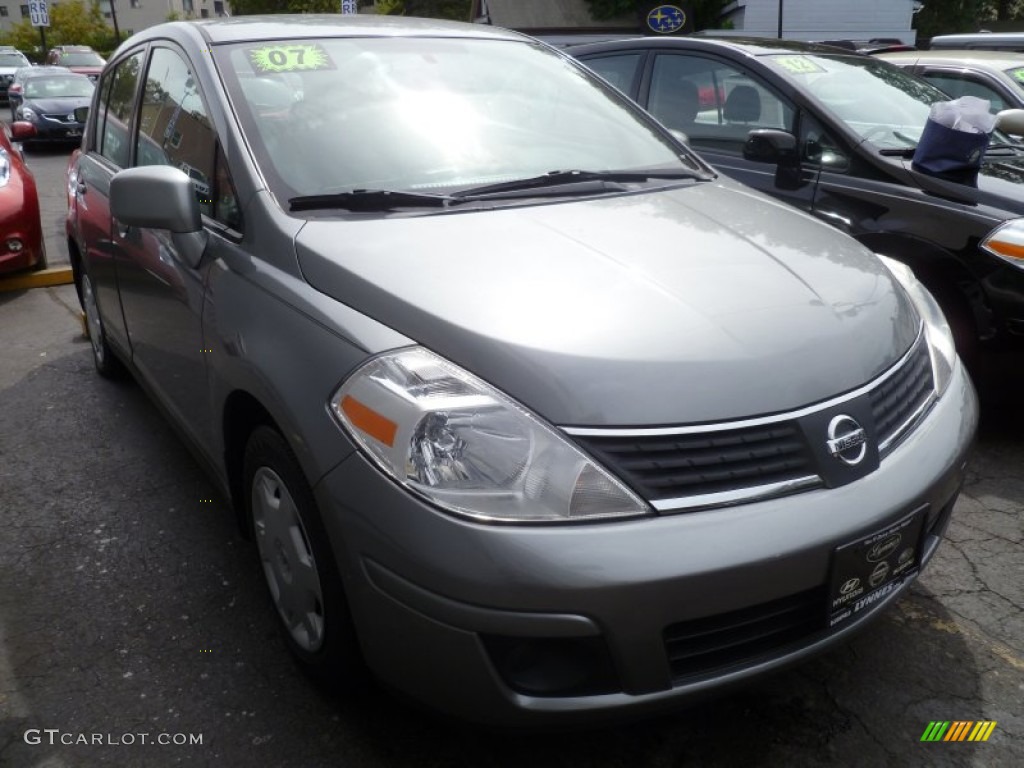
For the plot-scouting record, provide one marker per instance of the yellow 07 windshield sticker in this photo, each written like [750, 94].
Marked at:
[1017, 74]
[292, 57]
[798, 65]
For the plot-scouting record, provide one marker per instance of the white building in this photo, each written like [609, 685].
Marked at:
[825, 19]
[801, 19]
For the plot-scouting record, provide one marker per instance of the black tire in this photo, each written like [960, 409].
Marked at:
[292, 547]
[107, 363]
[40, 265]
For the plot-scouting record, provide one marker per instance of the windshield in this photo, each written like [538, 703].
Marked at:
[13, 60]
[885, 105]
[57, 87]
[429, 115]
[81, 60]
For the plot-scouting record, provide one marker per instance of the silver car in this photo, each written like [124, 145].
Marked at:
[525, 407]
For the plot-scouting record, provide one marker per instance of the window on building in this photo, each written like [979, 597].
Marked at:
[135, 3]
[205, 13]
[188, 7]
[3, 10]
[218, 7]
[24, 12]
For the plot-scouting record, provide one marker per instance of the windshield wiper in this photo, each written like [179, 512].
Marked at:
[590, 180]
[366, 200]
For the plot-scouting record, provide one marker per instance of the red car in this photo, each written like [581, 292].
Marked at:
[21, 233]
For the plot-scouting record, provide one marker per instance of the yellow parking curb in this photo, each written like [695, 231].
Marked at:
[40, 279]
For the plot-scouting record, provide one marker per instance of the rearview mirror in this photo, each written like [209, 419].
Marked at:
[22, 130]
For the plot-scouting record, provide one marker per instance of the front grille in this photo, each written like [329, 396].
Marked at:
[697, 467]
[667, 466]
[704, 645]
[895, 401]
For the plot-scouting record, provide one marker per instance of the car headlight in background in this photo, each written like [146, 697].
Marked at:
[455, 440]
[937, 332]
[29, 114]
[5, 168]
[1007, 242]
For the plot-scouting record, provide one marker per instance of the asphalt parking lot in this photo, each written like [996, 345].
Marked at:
[129, 605]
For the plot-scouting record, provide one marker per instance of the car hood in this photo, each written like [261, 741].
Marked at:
[704, 303]
[61, 106]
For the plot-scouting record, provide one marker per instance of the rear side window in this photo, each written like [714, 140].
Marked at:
[619, 70]
[114, 110]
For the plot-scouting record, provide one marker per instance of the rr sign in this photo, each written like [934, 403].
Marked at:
[348, 6]
[38, 13]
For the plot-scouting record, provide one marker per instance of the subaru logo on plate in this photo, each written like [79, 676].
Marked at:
[666, 19]
[847, 440]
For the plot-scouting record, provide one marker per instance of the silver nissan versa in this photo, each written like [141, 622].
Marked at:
[525, 407]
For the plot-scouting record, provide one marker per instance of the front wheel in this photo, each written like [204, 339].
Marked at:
[296, 560]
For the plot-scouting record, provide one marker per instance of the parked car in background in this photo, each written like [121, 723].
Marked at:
[78, 58]
[509, 386]
[985, 41]
[17, 85]
[11, 59]
[996, 76]
[21, 233]
[48, 101]
[834, 134]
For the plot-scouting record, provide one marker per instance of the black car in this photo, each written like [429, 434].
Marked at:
[834, 133]
[17, 84]
[48, 101]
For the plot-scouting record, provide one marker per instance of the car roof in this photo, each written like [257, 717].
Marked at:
[237, 29]
[755, 46]
[1000, 60]
[31, 72]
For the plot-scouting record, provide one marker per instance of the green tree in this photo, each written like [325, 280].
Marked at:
[72, 22]
[950, 16]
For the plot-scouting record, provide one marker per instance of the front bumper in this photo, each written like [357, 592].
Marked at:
[455, 613]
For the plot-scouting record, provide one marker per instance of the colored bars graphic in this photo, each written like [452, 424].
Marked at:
[958, 730]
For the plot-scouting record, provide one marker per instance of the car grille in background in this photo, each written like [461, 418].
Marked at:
[700, 646]
[701, 467]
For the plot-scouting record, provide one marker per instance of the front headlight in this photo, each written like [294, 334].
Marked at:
[455, 440]
[1007, 242]
[5, 168]
[936, 328]
[29, 114]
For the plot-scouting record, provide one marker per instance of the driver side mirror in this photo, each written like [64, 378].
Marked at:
[81, 114]
[769, 145]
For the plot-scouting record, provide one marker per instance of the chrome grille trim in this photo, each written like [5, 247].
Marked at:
[899, 397]
[739, 496]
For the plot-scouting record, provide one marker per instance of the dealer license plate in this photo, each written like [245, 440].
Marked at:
[866, 570]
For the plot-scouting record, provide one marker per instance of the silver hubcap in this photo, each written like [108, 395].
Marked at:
[288, 561]
[92, 317]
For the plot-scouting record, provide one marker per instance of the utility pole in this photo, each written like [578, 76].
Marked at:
[117, 32]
